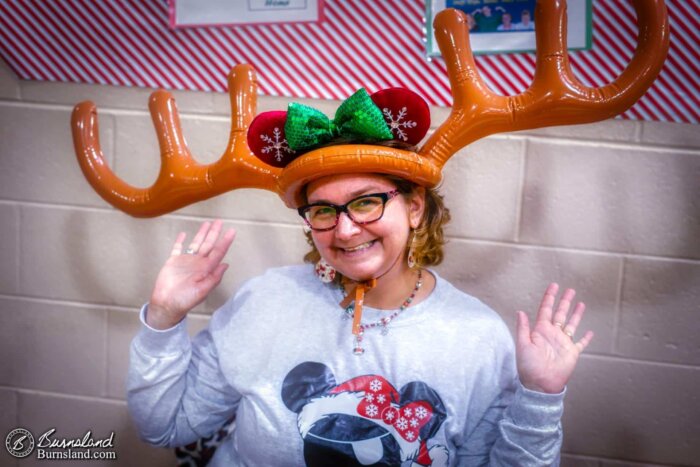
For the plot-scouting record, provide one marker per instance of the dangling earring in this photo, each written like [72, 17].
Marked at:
[324, 271]
[412, 262]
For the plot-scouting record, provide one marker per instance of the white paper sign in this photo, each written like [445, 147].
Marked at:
[194, 13]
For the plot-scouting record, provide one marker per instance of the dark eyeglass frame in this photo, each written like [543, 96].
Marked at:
[339, 209]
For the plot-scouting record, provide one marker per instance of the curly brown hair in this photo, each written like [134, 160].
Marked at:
[428, 238]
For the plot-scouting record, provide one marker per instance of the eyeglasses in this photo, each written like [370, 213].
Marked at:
[361, 210]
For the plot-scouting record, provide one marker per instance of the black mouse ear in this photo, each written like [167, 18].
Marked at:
[306, 381]
[419, 391]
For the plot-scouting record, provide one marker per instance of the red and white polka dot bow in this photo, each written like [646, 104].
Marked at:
[380, 402]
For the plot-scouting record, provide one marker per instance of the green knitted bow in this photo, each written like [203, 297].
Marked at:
[357, 119]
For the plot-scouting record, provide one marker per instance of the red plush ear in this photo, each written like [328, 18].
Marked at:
[267, 140]
[406, 113]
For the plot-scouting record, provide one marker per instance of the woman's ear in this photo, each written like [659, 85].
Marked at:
[416, 206]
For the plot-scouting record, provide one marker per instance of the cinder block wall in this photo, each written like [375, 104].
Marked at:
[612, 209]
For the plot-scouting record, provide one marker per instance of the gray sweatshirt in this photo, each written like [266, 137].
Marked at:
[440, 388]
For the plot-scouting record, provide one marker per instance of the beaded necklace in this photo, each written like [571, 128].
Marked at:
[349, 313]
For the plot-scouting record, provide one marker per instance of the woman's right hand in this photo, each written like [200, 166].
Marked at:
[187, 278]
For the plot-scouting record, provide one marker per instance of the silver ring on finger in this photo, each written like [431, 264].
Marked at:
[191, 251]
[569, 333]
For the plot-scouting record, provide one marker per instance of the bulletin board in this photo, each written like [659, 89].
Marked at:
[359, 43]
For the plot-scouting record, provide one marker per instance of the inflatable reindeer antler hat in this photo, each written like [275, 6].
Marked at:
[555, 97]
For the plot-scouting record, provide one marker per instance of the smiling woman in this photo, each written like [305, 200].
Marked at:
[424, 374]
[408, 374]
[367, 250]
[427, 240]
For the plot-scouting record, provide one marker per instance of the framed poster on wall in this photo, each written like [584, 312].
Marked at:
[508, 26]
[207, 13]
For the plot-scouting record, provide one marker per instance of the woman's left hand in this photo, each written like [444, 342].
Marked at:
[547, 354]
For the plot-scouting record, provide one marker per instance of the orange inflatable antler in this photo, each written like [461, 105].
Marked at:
[181, 181]
[556, 96]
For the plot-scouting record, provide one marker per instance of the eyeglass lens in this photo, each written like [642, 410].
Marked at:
[362, 210]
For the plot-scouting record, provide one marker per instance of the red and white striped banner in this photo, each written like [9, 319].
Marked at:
[360, 43]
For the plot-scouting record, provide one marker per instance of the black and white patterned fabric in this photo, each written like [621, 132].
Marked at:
[199, 453]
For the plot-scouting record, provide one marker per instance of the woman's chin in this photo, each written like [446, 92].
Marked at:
[360, 270]
[359, 274]
[365, 271]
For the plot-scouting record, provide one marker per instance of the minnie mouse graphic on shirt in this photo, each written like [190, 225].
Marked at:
[365, 420]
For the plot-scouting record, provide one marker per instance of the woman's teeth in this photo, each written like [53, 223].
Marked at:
[359, 247]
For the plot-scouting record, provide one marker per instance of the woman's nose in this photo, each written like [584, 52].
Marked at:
[346, 227]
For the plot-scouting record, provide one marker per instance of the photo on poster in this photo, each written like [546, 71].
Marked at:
[508, 26]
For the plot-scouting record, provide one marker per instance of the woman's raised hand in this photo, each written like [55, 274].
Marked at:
[547, 354]
[187, 277]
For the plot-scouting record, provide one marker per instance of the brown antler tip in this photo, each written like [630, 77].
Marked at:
[83, 108]
[449, 18]
[83, 116]
[243, 71]
[159, 96]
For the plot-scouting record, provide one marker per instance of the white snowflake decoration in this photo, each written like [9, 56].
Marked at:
[402, 424]
[407, 411]
[381, 398]
[421, 412]
[399, 124]
[278, 144]
[414, 422]
[389, 416]
[375, 385]
[371, 410]
[410, 435]
[369, 397]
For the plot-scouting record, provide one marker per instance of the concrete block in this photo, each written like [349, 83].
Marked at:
[72, 93]
[246, 205]
[107, 96]
[585, 461]
[5, 458]
[8, 412]
[607, 130]
[256, 248]
[8, 422]
[510, 278]
[137, 157]
[222, 104]
[482, 187]
[626, 463]
[575, 461]
[660, 311]
[72, 417]
[52, 347]
[438, 115]
[94, 256]
[37, 159]
[607, 198]
[9, 82]
[670, 134]
[641, 412]
[122, 328]
[9, 248]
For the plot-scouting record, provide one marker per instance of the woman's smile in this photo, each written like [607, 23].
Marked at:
[358, 250]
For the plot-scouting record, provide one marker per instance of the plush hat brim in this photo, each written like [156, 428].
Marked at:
[353, 158]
